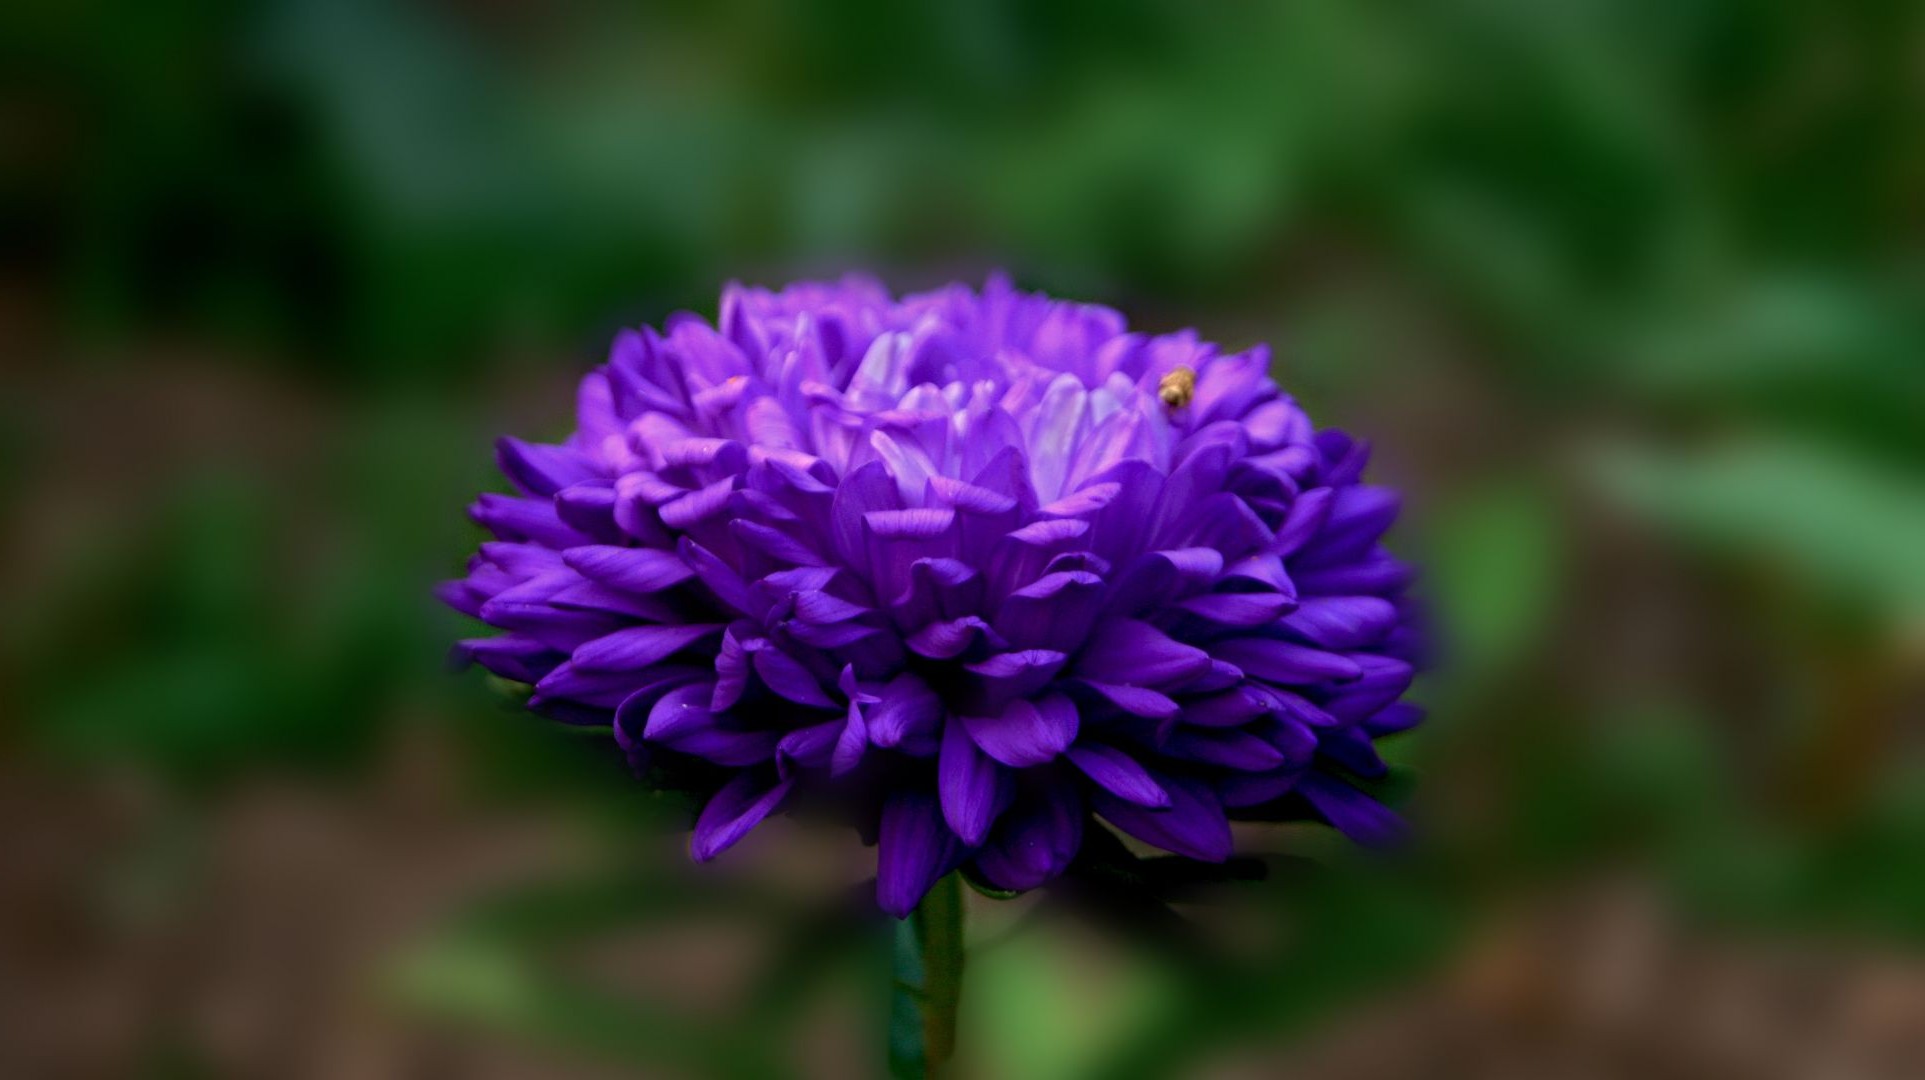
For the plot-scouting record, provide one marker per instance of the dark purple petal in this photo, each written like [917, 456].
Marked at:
[1358, 517]
[1356, 815]
[590, 509]
[593, 596]
[542, 470]
[1341, 622]
[534, 520]
[1135, 700]
[1376, 573]
[906, 712]
[786, 676]
[946, 640]
[681, 721]
[1232, 708]
[631, 717]
[639, 646]
[939, 589]
[1035, 840]
[972, 786]
[1057, 610]
[851, 743]
[461, 596]
[511, 657]
[774, 543]
[1120, 531]
[1019, 558]
[740, 806]
[1383, 680]
[1240, 609]
[642, 570]
[1238, 751]
[914, 849]
[1119, 774]
[1128, 652]
[1266, 570]
[1307, 515]
[1241, 790]
[1284, 662]
[1352, 749]
[867, 489]
[1392, 719]
[1221, 676]
[1193, 824]
[1157, 577]
[811, 747]
[820, 608]
[722, 580]
[601, 688]
[1007, 676]
[1026, 733]
[1224, 522]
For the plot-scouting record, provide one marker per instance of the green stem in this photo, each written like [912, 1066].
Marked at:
[929, 964]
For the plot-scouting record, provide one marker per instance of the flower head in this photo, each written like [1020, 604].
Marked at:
[971, 566]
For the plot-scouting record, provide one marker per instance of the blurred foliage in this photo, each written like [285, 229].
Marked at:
[1656, 264]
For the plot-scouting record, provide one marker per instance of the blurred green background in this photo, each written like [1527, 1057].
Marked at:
[1630, 296]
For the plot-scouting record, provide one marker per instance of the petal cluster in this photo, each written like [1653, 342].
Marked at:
[973, 567]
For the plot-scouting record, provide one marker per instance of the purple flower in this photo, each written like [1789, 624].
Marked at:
[969, 567]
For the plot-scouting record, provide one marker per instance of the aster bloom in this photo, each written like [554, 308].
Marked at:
[971, 568]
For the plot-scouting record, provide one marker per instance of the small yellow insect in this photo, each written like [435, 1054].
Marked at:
[1177, 388]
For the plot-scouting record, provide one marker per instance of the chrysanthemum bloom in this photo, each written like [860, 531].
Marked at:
[969, 567]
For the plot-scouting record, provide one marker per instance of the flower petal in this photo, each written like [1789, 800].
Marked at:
[971, 785]
[1035, 840]
[1193, 824]
[1026, 732]
[739, 806]
[1132, 653]
[1356, 815]
[636, 647]
[1119, 774]
[641, 570]
[913, 849]
[1284, 662]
